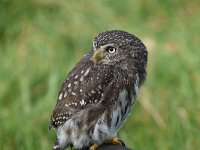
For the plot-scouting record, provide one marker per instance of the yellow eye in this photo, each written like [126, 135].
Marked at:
[111, 50]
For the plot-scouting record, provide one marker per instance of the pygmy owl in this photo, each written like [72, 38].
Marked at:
[98, 94]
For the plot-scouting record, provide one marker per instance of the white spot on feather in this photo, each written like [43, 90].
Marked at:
[76, 77]
[65, 94]
[82, 102]
[70, 90]
[73, 93]
[87, 71]
[69, 85]
[60, 96]
[81, 79]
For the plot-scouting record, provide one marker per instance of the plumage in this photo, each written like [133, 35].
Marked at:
[97, 95]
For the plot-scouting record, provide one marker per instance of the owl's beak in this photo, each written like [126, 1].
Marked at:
[98, 55]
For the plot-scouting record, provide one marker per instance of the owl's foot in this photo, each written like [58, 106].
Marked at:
[115, 140]
[94, 147]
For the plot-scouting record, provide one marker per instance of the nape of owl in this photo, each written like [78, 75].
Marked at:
[97, 95]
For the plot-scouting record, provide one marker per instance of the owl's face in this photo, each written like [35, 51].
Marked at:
[114, 47]
[106, 54]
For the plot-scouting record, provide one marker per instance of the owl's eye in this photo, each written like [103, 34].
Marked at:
[111, 50]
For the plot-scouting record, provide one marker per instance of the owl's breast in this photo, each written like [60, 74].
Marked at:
[122, 109]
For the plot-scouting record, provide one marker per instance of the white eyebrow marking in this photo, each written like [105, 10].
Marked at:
[104, 46]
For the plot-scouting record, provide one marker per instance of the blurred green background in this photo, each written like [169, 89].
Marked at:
[40, 41]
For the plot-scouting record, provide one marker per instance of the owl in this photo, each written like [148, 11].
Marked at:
[99, 92]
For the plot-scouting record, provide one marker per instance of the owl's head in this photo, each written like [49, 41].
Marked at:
[118, 47]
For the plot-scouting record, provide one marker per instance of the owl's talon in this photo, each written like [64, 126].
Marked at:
[115, 140]
[94, 147]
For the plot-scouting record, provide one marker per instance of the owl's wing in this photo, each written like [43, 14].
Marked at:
[84, 85]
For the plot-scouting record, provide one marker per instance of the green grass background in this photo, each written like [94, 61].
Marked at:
[40, 41]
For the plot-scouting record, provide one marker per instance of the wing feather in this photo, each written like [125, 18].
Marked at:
[84, 85]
